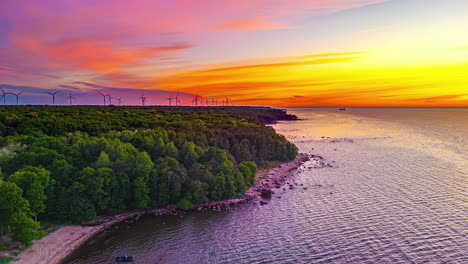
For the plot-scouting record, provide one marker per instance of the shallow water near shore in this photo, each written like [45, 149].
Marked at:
[395, 192]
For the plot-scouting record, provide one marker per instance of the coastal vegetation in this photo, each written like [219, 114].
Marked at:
[73, 164]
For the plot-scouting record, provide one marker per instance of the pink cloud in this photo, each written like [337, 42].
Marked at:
[258, 23]
[97, 55]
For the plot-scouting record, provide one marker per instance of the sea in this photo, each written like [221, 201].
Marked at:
[393, 189]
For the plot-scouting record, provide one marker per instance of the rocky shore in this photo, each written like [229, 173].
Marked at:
[274, 178]
[55, 247]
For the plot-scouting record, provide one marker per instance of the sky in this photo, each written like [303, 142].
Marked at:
[254, 52]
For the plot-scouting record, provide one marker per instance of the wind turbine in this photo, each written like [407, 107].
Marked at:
[4, 96]
[104, 97]
[170, 99]
[17, 96]
[110, 98]
[70, 97]
[143, 99]
[214, 102]
[227, 101]
[196, 100]
[119, 99]
[53, 96]
[177, 101]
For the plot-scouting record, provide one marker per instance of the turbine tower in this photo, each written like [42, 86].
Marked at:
[170, 99]
[53, 96]
[103, 97]
[17, 96]
[177, 101]
[227, 100]
[196, 100]
[70, 97]
[119, 99]
[4, 96]
[143, 99]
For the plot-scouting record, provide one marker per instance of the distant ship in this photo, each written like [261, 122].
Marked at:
[342, 109]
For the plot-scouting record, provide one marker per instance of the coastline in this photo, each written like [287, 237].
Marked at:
[55, 247]
[266, 180]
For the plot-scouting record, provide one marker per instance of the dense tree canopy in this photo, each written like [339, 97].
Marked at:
[72, 164]
[15, 213]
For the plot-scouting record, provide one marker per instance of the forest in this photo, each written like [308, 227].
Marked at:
[71, 164]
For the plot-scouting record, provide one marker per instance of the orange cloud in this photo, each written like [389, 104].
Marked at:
[98, 56]
[282, 64]
[258, 23]
[332, 79]
[456, 100]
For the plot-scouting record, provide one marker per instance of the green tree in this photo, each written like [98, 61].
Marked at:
[100, 184]
[33, 181]
[142, 199]
[15, 212]
[153, 186]
[230, 186]
[121, 196]
[199, 191]
[164, 193]
[79, 208]
[102, 161]
[217, 159]
[248, 170]
[171, 150]
[24, 229]
[243, 150]
[61, 178]
[216, 185]
[184, 205]
[252, 166]
[188, 155]
[239, 180]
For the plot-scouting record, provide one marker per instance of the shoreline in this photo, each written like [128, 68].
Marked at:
[266, 180]
[57, 246]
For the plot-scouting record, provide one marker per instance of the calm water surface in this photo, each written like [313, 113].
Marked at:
[396, 193]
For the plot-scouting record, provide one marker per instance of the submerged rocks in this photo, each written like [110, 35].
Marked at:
[225, 205]
[266, 193]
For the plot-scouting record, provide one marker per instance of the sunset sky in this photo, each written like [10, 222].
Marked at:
[256, 52]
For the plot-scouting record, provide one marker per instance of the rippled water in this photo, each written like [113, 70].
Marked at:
[396, 193]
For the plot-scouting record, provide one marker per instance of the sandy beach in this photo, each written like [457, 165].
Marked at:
[55, 247]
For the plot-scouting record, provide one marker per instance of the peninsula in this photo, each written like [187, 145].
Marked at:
[73, 165]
